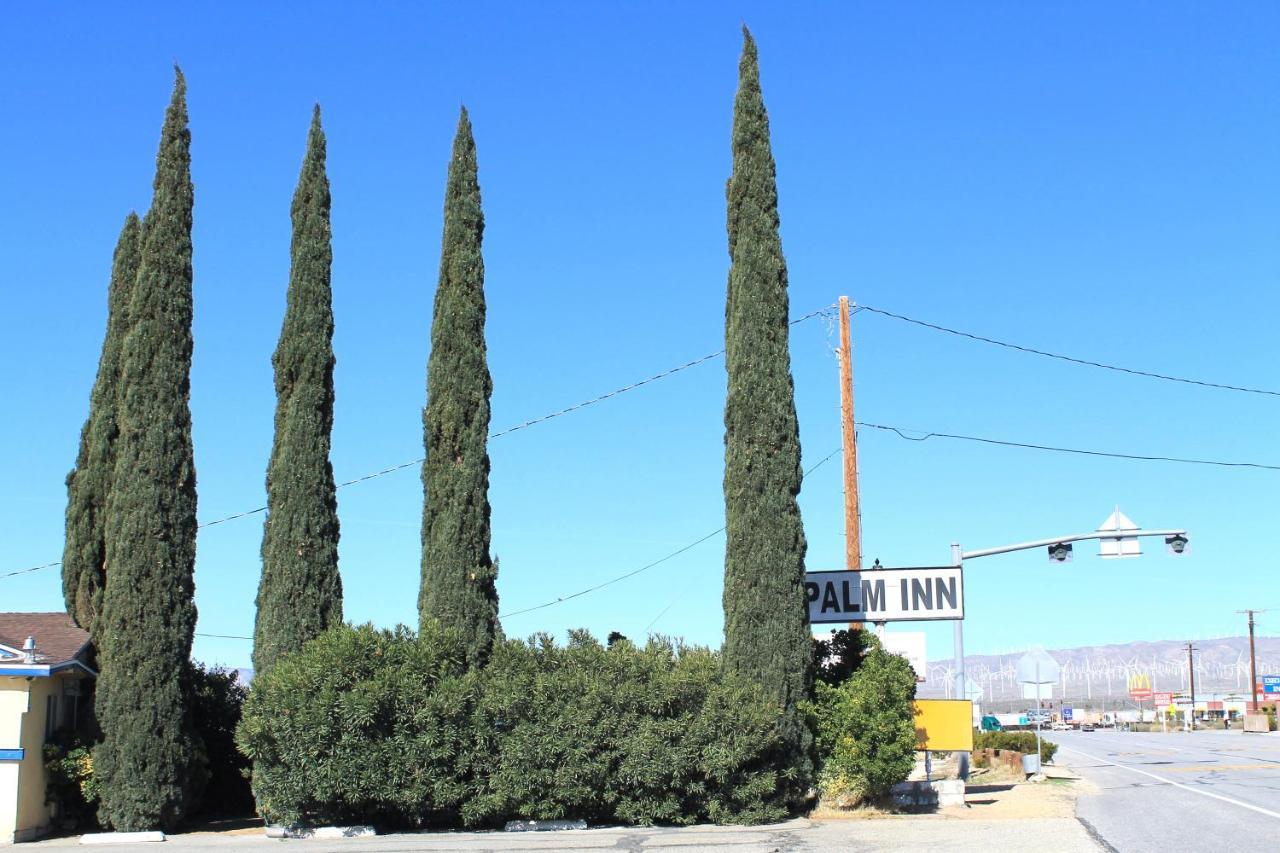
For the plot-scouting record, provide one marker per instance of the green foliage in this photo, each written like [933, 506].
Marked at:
[639, 735]
[71, 784]
[89, 483]
[148, 762]
[866, 736]
[362, 725]
[1024, 742]
[300, 593]
[217, 700]
[835, 660]
[767, 637]
[385, 727]
[458, 576]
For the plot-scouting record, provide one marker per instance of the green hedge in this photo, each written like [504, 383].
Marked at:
[865, 728]
[1024, 742]
[388, 728]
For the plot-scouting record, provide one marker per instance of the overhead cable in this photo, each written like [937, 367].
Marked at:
[901, 432]
[1068, 358]
[634, 572]
[826, 309]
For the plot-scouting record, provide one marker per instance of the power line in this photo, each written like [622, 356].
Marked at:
[901, 432]
[826, 309]
[646, 568]
[1071, 359]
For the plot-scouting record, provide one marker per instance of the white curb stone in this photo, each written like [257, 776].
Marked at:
[543, 825]
[120, 837]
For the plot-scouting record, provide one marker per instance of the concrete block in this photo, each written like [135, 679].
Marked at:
[543, 825]
[942, 793]
[298, 831]
[120, 837]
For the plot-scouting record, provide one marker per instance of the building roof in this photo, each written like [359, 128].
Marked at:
[58, 640]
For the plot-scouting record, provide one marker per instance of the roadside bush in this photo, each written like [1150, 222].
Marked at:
[647, 735]
[217, 701]
[363, 726]
[71, 784]
[383, 727]
[1024, 742]
[865, 729]
[835, 660]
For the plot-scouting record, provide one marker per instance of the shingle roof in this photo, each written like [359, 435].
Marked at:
[58, 640]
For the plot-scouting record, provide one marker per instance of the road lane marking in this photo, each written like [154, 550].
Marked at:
[1236, 802]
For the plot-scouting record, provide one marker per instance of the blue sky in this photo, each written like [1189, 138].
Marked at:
[1100, 180]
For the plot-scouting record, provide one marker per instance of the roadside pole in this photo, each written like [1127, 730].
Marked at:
[852, 509]
[1191, 673]
[1253, 665]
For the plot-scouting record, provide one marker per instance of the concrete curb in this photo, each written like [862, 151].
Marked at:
[121, 837]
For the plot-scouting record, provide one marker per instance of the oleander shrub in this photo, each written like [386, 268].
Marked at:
[363, 726]
[388, 728]
[652, 734]
[1024, 742]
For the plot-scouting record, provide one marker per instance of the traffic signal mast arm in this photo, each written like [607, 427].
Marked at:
[1076, 537]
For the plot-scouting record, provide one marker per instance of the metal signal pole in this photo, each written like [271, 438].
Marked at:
[1191, 671]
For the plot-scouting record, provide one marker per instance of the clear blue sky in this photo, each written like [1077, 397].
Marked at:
[1096, 179]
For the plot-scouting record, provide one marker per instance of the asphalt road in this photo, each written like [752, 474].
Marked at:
[1207, 791]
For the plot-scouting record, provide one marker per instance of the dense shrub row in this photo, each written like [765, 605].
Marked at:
[391, 728]
[1024, 742]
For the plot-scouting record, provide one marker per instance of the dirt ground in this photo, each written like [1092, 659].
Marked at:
[991, 794]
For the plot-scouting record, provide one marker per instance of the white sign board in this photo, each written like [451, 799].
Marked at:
[911, 645]
[1038, 667]
[885, 595]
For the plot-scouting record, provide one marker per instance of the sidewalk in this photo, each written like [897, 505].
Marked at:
[915, 832]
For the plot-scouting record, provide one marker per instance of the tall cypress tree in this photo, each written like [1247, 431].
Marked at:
[300, 593]
[766, 621]
[145, 762]
[89, 482]
[458, 575]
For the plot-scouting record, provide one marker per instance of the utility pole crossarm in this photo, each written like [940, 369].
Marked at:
[1074, 537]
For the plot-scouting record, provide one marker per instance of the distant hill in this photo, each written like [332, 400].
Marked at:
[1101, 672]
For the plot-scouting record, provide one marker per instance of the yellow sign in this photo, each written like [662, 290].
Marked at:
[944, 725]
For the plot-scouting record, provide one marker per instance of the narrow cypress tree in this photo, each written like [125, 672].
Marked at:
[89, 482]
[766, 621]
[458, 575]
[145, 763]
[300, 593]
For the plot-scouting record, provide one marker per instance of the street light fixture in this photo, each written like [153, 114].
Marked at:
[1117, 537]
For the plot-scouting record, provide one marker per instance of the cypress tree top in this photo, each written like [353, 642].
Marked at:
[147, 759]
[458, 575]
[766, 621]
[300, 593]
[89, 482]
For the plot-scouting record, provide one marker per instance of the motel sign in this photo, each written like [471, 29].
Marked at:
[885, 595]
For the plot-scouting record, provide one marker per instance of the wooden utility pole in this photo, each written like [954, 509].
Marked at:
[852, 521]
[1253, 664]
[852, 518]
